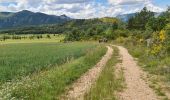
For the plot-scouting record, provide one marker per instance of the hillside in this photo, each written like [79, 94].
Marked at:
[79, 24]
[5, 14]
[125, 17]
[25, 18]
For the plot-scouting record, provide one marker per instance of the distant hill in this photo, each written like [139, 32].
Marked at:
[125, 17]
[158, 14]
[5, 14]
[26, 18]
[82, 25]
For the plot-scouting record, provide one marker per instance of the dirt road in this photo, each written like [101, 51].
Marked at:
[136, 88]
[85, 82]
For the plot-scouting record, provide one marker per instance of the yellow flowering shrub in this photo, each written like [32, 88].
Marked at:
[162, 36]
[158, 46]
[156, 49]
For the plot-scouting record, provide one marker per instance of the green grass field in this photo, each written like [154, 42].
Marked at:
[50, 83]
[18, 60]
[43, 69]
[26, 38]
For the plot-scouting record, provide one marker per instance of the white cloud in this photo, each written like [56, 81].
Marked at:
[125, 2]
[136, 5]
[67, 1]
[79, 8]
[149, 4]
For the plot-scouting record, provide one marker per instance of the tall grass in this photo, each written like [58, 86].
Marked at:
[50, 84]
[157, 66]
[107, 84]
[19, 60]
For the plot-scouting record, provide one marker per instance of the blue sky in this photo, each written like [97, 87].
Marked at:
[84, 8]
[162, 3]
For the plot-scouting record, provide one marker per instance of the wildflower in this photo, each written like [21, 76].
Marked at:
[162, 36]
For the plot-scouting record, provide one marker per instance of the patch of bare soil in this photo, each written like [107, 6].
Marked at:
[84, 83]
[136, 87]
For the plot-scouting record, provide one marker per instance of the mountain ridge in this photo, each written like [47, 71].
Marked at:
[26, 18]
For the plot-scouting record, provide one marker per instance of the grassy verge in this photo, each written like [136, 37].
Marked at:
[48, 85]
[156, 66]
[107, 85]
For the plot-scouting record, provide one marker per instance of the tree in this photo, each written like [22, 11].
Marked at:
[48, 36]
[131, 23]
[140, 20]
[167, 15]
[110, 34]
[74, 35]
[156, 24]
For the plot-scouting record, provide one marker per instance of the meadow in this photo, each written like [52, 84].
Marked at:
[30, 38]
[64, 63]
[42, 67]
[18, 60]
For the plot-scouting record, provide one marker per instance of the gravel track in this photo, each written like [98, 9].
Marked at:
[136, 87]
[84, 83]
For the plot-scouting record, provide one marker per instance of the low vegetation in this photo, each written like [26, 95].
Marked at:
[19, 60]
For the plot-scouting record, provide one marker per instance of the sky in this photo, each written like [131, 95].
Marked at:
[83, 8]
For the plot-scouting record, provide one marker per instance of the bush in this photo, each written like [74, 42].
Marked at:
[48, 36]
